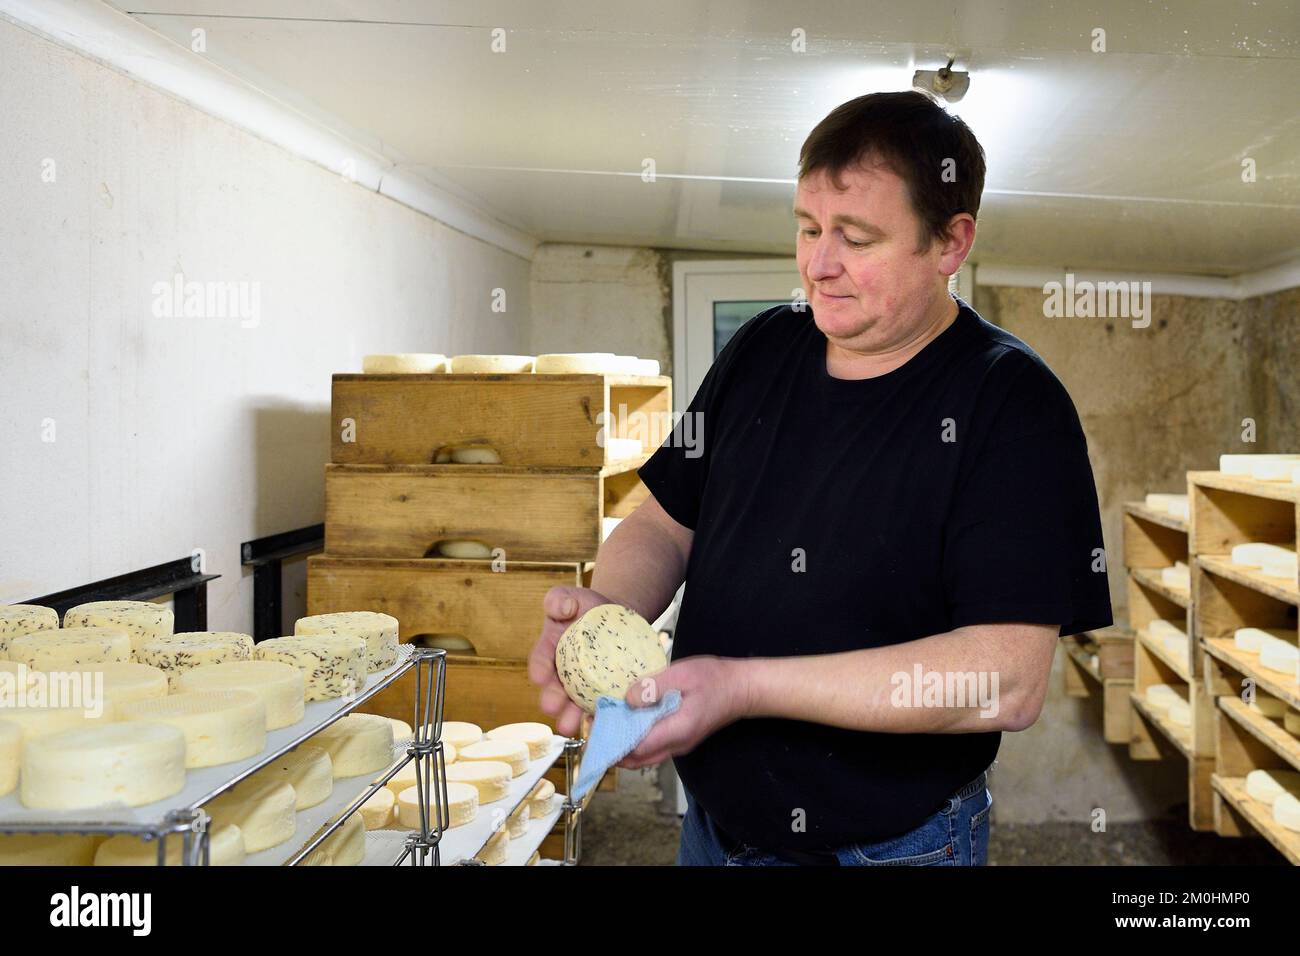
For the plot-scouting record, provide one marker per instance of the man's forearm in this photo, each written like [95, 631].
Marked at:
[639, 566]
[967, 681]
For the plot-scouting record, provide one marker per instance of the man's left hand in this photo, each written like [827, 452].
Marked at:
[714, 693]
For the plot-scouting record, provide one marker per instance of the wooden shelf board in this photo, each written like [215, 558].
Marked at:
[1233, 790]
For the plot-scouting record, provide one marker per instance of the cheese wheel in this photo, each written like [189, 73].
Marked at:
[334, 665]
[517, 822]
[404, 778]
[1267, 785]
[346, 846]
[537, 736]
[1267, 705]
[604, 652]
[1271, 468]
[465, 550]
[11, 749]
[462, 806]
[494, 364]
[1291, 722]
[220, 726]
[379, 631]
[1254, 554]
[1162, 502]
[490, 778]
[575, 363]
[511, 752]
[280, 686]
[42, 721]
[494, 851]
[403, 363]
[645, 366]
[1159, 629]
[377, 812]
[1180, 712]
[460, 734]
[1276, 655]
[70, 648]
[451, 643]
[18, 619]
[262, 808]
[1279, 566]
[308, 770]
[121, 682]
[190, 649]
[1243, 465]
[132, 764]
[474, 456]
[357, 744]
[1251, 639]
[46, 849]
[1176, 645]
[143, 621]
[225, 848]
[1160, 696]
[620, 448]
[1180, 578]
[401, 730]
[1286, 812]
[541, 799]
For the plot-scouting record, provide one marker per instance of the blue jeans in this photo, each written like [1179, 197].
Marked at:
[958, 835]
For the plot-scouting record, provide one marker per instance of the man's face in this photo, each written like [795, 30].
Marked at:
[869, 288]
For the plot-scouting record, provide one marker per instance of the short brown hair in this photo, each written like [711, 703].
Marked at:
[911, 135]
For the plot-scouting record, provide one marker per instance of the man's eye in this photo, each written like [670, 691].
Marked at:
[855, 244]
[810, 233]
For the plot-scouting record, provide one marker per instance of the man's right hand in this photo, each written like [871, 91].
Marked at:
[563, 606]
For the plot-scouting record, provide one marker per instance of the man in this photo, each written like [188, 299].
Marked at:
[892, 521]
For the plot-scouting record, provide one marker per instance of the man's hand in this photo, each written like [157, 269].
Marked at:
[714, 693]
[563, 606]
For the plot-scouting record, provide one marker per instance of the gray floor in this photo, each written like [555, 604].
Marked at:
[626, 828]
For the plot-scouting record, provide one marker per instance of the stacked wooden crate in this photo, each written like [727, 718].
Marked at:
[1227, 511]
[1100, 664]
[389, 507]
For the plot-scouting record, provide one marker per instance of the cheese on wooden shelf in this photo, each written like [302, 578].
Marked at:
[377, 812]
[490, 778]
[1180, 712]
[225, 848]
[346, 846]
[404, 363]
[357, 744]
[1171, 504]
[142, 620]
[474, 456]
[1255, 554]
[1245, 465]
[190, 649]
[281, 686]
[536, 735]
[262, 808]
[645, 366]
[616, 449]
[220, 726]
[1251, 639]
[465, 550]
[1160, 696]
[541, 798]
[451, 643]
[379, 631]
[514, 753]
[1267, 785]
[460, 734]
[1179, 577]
[71, 648]
[1276, 655]
[517, 822]
[494, 851]
[132, 764]
[308, 770]
[334, 665]
[18, 619]
[604, 652]
[41, 721]
[1286, 812]
[11, 749]
[576, 363]
[494, 364]
[1271, 467]
[1280, 566]
[46, 849]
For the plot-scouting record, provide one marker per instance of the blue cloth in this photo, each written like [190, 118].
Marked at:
[615, 733]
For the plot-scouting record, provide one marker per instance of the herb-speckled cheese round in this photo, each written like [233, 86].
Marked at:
[18, 619]
[604, 652]
[333, 665]
[379, 631]
[143, 621]
[72, 648]
[189, 649]
[11, 748]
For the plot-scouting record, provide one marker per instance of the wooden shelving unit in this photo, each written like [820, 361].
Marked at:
[1101, 662]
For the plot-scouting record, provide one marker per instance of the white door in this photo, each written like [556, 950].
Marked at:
[713, 299]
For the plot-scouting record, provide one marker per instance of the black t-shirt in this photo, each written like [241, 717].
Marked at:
[954, 490]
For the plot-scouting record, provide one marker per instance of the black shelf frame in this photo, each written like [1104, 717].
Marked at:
[266, 556]
[179, 578]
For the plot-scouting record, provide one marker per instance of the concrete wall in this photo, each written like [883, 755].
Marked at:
[130, 438]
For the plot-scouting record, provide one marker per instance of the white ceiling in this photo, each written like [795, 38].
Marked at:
[1128, 159]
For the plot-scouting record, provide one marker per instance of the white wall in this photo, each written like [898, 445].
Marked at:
[178, 433]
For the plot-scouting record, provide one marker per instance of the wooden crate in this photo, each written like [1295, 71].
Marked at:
[532, 513]
[1249, 741]
[550, 420]
[1152, 539]
[1227, 511]
[499, 612]
[1101, 663]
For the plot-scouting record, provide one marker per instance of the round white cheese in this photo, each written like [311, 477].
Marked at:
[379, 631]
[1251, 639]
[1253, 554]
[490, 777]
[465, 550]
[460, 734]
[46, 849]
[125, 681]
[474, 456]
[542, 798]
[493, 364]
[1242, 465]
[333, 665]
[1180, 712]
[346, 846]
[1278, 655]
[377, 812]
[605, 652]
[18, 619]
[262, 808]
[517, 822]
[308, 770]
[404, 363]
[536, 735]
[132, 764]
[462, 806]
[357, 744]
[1286, 811]
[646, 366]
[281, 686]
[225, 848]
[71, 648]
[220, 726]
[182, 652]
[514, 753]
[401, 730]
[575, 363]
[1267, 785]
[41, 721]
[494, 851]
[1160, 696]
[11, 749]
[143, 621]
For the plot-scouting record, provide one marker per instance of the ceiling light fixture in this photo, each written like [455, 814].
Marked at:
[948, 84]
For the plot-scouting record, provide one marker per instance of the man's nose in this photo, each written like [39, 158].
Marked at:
[824, 262]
